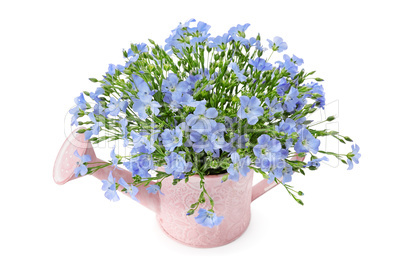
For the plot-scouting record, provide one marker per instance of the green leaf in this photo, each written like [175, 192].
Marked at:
[93, 80]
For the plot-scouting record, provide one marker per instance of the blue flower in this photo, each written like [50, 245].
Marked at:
[276, 169]
[250, 109]
[237, 33]
[199, 40]
[81, 105]
[240, 76]
[207, 218]
[99, 110]
[288, 126]
[132, 166]
[297, 61]
[123, 123]
[143, 108]
[219, 42]
[201, 120]
[177, 166]
[131, 57]
[209, 141]
[141, 144]
[301, 102]
[172, 138]
[193, 78]
[153, 189]
[171, 85]
[257, 44]
[307, 143]
[142, 48]
[201, 74]
[237, 142]
[277, 44]
[282, 87]
[239, 165]
[115, 106]
[201, 28]
[266, 146]
[176, 93]
[109, 186]
[95, 96]
[239, 29]
[144, 93]
[229, 122]
[217, 136]
[355, 155]
[140, 165]
[145, 163]
[115, 161]
[260, 64]
[288, 143]
[175, 39]
[267, 151]
[289, 65]
[111, 69]
[316, 162]
[287, 173]
[81, 168]
[130, 189]
[201, 142]
[273, 107]
[94, 129]
[291, 100]
[317, 89]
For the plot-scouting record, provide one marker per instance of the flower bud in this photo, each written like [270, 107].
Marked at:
[190, 212]
[225, 178]
[235, 99]
[330, 118]
[214, 164]
[225, 163]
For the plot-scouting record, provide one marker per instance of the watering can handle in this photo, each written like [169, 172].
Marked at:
[262, 187]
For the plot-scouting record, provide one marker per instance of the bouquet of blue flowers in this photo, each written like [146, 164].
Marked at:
[207, 105]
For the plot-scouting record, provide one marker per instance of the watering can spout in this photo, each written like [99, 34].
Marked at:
[66, 162]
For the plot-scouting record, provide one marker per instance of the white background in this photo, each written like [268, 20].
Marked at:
[350, 218]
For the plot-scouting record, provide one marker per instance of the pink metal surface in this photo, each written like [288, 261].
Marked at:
[232, 199]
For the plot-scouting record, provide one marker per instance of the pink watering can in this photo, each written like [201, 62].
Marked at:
[232, 199]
